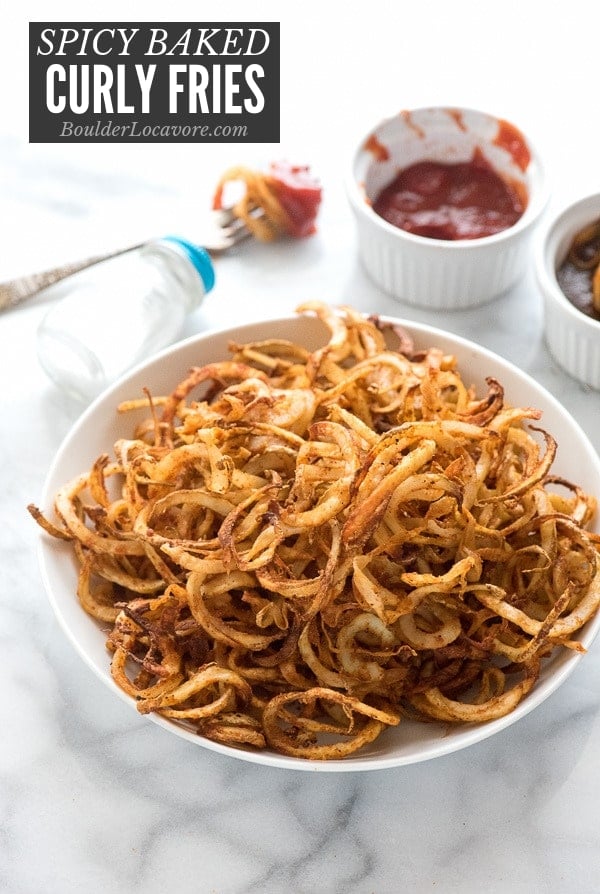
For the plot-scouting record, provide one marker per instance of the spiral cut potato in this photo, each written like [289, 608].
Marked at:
[284, 200]
[295, 550]
[259, 194]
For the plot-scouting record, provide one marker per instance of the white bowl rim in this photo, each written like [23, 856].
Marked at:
[545, 266]
[537, 204]
[469, 735]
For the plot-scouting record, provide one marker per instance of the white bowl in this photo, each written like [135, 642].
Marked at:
[437, 273]
[100, 426]
[572, 337]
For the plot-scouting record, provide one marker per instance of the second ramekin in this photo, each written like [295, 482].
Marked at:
[573, 338]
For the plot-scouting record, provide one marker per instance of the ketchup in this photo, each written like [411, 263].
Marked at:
[299, 194]
[467, 200]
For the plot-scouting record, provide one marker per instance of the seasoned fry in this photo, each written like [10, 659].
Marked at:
[297, 549]
[284, 200]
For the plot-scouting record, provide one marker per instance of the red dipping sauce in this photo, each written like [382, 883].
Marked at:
[468, 200]
[300, 196]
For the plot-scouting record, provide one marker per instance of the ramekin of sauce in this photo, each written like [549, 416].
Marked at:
[567, 276]
[579, 274]
[445, 201]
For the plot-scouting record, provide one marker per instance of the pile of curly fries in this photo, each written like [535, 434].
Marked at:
[298, 549]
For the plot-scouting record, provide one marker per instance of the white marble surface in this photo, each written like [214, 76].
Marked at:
[95, 798]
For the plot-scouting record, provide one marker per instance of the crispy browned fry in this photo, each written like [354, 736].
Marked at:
[302, 547]
[259, 193]
[488, 706]
[596, 288]
[297, 733]
[48, 526]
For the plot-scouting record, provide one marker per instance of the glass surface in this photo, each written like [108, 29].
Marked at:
[113, 316]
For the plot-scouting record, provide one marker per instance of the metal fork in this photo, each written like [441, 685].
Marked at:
[226, 230]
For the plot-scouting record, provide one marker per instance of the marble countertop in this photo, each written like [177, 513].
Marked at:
[94, 797]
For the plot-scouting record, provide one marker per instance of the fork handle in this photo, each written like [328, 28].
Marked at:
[16, 290]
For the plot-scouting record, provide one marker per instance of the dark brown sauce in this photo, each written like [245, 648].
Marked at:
[577, 272]
[577, 286]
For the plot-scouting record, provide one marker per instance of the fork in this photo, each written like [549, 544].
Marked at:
[226, 231]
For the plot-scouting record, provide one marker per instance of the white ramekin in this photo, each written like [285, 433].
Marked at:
[437, 273]
[572, 337]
